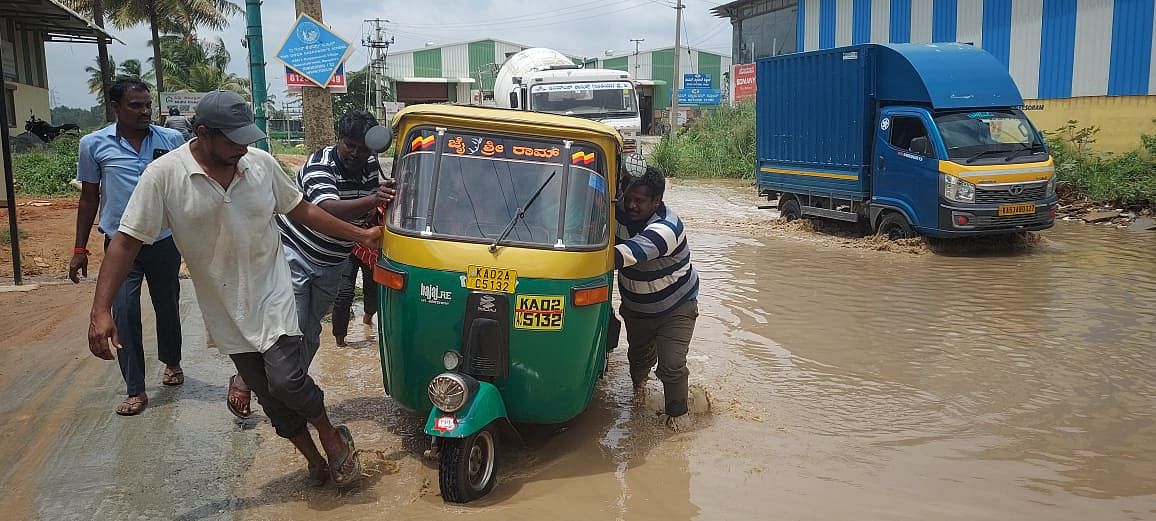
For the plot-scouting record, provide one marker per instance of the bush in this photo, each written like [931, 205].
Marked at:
[47, 171]
[721, 143]
[1127, 179]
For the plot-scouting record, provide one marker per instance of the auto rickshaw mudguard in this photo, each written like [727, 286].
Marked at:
[483, 408]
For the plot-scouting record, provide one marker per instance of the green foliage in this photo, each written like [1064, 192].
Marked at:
[1123, 179]
[721, 143]
[6, 235]
[86, 119]
[48, 171]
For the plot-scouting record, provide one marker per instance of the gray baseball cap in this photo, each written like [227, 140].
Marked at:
[231, 114]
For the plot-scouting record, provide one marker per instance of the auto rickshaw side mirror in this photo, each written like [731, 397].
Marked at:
[378, 139]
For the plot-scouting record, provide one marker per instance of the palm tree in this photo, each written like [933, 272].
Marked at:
[194, 65]
[181, 17]
[128, 69]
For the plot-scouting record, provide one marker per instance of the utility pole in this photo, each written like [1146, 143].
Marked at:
[378, 46]
[636, 64]
[256, 45]
[677, 52]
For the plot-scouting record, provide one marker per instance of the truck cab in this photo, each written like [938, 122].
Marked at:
[946, 153]
[543, 80]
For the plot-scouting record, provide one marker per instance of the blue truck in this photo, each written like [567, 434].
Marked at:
[905, 138]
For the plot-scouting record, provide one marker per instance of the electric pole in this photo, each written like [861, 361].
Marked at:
[636, 64]
[378, 46]
[677, 52]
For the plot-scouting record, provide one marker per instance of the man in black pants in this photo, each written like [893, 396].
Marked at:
[109, 165]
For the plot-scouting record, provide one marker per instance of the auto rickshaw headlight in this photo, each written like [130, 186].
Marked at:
[451, 360]
[449, 392]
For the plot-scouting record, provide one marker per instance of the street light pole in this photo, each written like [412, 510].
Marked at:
[636, 64]
[677, 52]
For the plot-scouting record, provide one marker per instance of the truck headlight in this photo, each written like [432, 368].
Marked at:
[1051, 190]
[956, 189]
[448, 392]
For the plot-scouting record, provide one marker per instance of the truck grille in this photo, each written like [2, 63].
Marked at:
[1003, 194]
[992, 221]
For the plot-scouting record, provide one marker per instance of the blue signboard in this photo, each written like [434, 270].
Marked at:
[696, 81]
[313, 51]
[699, 96]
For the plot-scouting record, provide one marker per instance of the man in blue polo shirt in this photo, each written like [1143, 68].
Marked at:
[110, 163]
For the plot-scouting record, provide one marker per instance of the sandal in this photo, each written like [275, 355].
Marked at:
[347, 469]
[132, 405]
[238, 400]
[172, 377]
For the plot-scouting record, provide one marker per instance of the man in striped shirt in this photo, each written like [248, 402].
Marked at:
[345, 180]
[659, 290]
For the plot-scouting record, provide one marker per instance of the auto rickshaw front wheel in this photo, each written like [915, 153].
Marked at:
[466, 466]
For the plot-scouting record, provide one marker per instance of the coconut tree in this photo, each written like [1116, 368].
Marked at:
[128, 69]
[195, 65]
[181, 17]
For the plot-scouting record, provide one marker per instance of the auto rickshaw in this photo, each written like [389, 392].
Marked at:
[496, 271]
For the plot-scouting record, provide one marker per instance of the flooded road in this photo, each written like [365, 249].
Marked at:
[987, 382]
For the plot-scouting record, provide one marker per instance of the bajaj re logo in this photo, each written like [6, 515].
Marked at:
[431, 294]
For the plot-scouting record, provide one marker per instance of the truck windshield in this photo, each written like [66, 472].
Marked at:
[969, 135]
[483, 180]
[592, 100]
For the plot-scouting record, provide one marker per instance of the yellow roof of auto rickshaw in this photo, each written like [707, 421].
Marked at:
[506, 119]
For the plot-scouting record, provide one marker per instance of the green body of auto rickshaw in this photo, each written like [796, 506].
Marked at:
[497, 268]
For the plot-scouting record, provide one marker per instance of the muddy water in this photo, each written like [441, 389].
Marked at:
[989, 381]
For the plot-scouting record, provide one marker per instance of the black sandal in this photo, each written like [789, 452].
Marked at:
[343, 479]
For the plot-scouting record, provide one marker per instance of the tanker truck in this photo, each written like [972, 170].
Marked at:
[545, 80]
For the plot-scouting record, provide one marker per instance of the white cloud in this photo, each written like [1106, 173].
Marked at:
[574, 27]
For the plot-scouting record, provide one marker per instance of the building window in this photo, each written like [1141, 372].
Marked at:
[763, 35]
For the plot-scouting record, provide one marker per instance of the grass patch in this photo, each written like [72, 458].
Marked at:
[1127, 179]
[6, 235]
[721, 143]
[47, 171]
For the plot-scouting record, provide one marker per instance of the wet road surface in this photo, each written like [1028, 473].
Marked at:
[990, 381]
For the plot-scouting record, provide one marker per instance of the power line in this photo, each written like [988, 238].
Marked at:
[378, 45]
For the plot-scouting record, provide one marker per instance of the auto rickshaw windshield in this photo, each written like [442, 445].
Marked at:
[476, 189]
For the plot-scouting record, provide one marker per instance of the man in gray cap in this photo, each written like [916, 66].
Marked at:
[219, 197]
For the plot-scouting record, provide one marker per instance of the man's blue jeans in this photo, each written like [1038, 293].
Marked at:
[314, 288]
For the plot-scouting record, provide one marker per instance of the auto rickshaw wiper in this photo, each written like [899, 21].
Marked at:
[521, 213]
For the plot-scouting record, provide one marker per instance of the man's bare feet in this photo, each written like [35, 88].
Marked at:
[340, 341]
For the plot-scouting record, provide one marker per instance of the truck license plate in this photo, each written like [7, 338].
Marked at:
[491, 279]
[1016, 209]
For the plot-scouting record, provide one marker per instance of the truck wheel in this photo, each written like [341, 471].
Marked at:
[466, 466]
[789, 208]
[894, 226]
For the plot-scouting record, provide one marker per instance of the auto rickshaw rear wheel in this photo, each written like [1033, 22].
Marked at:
[466, 466]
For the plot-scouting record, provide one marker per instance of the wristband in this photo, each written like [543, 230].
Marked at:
[80, 251]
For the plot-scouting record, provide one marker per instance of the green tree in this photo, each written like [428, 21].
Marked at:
[356, 83]
[183, 17]
[194, 65]
[128, 69]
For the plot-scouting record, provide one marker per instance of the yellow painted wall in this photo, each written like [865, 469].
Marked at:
[1121, 118]
[30, 98]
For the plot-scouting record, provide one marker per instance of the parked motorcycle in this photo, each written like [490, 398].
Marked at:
[46, 131]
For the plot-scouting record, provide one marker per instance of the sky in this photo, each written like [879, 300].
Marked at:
[574, 27]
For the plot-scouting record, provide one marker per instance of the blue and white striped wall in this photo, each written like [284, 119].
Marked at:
[1053, 48]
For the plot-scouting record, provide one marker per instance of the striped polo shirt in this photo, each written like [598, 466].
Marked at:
[323, 178]
[654, 270]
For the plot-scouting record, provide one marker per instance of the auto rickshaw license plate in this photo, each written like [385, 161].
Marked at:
[539, 312]
[491, 279]
[1016, 209]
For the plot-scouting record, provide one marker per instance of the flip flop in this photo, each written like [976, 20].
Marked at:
[348, 477]
[132, 405]
[174, 377]
[238, 400]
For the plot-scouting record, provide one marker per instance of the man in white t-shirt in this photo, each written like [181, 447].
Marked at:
[219, 197]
